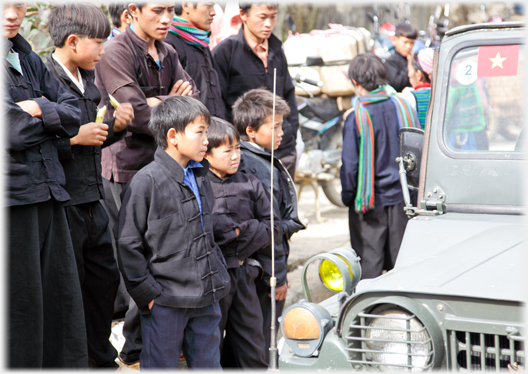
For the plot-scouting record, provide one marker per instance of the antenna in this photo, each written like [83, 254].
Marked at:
[273, 281]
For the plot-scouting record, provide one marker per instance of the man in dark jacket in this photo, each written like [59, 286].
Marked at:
[247, 60]
[71, 27]
[396, 64]
[140, 69]
[46, 319]
[189, 35]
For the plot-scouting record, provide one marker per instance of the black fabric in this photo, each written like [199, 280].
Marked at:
[387, 187]
[46, 320]
[82, 163]
[132, 334]
[98, 275]
[34, 171]
[265, 306]
[396, 66]
[257, 162]
[163, 251]
[241, 70]
[198, 63]
[239, 200]
[243, 345]
[376, 237]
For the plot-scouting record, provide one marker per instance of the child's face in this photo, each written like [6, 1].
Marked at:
[415, 76]
[403, 45]
[224, 160]
[192, 144]
[87, 52]
[263, 136]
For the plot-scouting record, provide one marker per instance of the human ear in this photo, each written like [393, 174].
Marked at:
[71, 41]
[134, 10]
[250, 132]
[171, 137]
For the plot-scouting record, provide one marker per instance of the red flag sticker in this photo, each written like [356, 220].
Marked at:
[498, 61]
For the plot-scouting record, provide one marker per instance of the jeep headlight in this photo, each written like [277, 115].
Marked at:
[304, 326]
[397, 340]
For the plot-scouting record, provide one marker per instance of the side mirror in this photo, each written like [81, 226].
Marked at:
[411, 145]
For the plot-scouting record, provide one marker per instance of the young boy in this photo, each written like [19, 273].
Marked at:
[252, 114]
[78, 31]
[396, 64]
[241, 213]
[120, 18]
[170, 263]
[371, 186]
[419, 95]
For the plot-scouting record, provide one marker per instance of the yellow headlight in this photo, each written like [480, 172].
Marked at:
[300, 324]
[331, 276]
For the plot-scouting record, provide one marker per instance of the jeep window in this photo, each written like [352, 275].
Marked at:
[485, 112]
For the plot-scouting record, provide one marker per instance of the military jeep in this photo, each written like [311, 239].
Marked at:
[454, 300]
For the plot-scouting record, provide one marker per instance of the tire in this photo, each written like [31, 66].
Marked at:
[333, 192]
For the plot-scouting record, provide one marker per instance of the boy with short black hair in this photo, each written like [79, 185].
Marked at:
[120, 18]
[396, 64]
[170, 263]
[241, 212]
[78, 31]
[253, 118]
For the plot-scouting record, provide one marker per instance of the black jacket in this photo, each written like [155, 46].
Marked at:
[240, 201]
[35, 173]
[81, 163]
[163, 253]
[241, 70]
[198, 63]
[396, 66]
[257, 162]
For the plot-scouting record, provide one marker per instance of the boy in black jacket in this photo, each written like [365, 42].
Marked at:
[241, 213]
[170, 263]
[396, 64]
[252, 114]
[78, 32]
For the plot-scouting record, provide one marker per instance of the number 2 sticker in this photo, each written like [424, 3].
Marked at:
[467, 72]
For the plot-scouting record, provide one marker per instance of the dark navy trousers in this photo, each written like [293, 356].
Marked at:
[166, 331]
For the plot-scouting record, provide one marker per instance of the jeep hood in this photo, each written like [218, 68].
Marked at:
[489, 264]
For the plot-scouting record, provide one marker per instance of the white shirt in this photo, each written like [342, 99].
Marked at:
[77, 81]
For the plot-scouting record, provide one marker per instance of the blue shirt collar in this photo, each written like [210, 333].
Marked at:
[192, 165]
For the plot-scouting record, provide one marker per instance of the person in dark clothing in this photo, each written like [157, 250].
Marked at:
[189, 35]
[246, 61]
[140, 69]
[46, 319]
[241, 217]
[371, 185]
[396, 64]
[78, 32]
[253, 118]
[171, 265]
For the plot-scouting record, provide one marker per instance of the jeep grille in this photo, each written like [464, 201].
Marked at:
[358, 340]
[477, 351]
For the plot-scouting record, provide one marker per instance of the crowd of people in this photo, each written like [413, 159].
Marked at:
[137, 153]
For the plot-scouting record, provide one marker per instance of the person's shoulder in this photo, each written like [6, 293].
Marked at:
[226, 44]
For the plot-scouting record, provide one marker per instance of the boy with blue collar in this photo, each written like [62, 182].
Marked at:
[167, 255]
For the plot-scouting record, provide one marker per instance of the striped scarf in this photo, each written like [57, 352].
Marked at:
[189, 33]
[406, 118]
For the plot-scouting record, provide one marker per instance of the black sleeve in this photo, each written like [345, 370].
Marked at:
[289, 96]
[113, 136]
[221, 64]
[396, 75]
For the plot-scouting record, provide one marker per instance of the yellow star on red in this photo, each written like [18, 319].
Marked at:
[497, 61]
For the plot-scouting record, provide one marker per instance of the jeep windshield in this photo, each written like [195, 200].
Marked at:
[484, 111]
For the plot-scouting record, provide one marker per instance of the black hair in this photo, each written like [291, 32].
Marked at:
[368, 71]
[221, 132]
[416, 65]
[115, 10]
[252, 108]
[406, 30]
[178, 7]
[81, 19]
[245, 7]
[175, 112]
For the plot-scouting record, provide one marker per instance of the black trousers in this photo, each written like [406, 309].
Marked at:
[98, 275]
[243, 345]
[46, 319]
[376, 237]
[265, 307]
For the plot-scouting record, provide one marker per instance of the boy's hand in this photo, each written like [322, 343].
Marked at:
[280, 292]
[123, 116]
[151, 304]
[91, 134]
[153, 101]
[31, 107]
[237, 231]
[181, 88]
